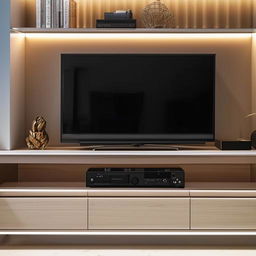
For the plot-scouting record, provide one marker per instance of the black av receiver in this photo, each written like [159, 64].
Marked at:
[135, 177]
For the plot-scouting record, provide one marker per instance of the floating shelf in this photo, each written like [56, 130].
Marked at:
[117, 157]
[128, 30]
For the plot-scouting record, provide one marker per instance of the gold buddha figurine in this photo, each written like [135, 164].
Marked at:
[38, 137]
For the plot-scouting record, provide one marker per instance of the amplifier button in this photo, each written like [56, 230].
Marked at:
[134, 181]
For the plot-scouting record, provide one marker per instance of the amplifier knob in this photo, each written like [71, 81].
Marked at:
[134, 181]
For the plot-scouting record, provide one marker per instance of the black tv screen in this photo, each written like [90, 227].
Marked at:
[137, 98]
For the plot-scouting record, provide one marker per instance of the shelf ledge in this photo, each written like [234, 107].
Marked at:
[115, 157]
[133, 233]
[136, 30]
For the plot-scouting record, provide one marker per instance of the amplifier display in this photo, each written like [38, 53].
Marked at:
[135, 177]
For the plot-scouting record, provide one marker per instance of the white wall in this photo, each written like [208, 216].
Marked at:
[4, 74]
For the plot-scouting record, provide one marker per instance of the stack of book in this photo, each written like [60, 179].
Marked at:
[56, 14]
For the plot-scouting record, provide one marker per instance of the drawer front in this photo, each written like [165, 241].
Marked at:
[43, 213]
[138, 213]
[223, 213]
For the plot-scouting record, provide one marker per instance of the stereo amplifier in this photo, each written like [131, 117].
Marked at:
[135, 177]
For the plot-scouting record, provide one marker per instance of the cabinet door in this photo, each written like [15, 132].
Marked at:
[138, 213]
[223, 213]
[43, 213]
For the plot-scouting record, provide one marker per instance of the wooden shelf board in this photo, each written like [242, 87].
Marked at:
[44, 185]
[132, 232]
[127, 157]
[20, 189]
[128, 30]
[194, 189]
[221, 185]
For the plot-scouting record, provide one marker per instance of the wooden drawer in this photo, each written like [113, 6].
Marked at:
[43, 213]
[223, 213]
[138, 213]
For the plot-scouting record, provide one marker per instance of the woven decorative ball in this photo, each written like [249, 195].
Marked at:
[157, 15]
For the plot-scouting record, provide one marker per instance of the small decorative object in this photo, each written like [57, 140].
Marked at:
[157, 15]
[38, 137]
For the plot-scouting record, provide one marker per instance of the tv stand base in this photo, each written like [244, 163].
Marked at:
[146, 147]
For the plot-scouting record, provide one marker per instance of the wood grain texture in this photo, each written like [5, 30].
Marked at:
[223, 213]
[8, 173]
[43, 189]
[138, 213]
[72, 189]
[131, 158]
[43, 213]
[52, 173]
[76, 173]
[222, 189]
[188, 14]
[137, 192]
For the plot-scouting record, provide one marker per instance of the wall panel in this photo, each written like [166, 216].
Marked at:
[187, 13]
[233, 71]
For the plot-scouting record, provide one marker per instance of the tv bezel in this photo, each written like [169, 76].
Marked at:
[130, 139]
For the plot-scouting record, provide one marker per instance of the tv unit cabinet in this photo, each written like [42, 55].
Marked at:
[44, 193]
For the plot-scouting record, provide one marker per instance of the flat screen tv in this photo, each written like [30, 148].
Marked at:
[137, 98]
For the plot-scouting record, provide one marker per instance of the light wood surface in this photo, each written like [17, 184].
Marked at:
[16, 29]
[135, 232]
[223, 213]
[40, 189]
[138, 213]
[222, 189]
[178, 251]
[70, 189]
[43, 213]
[137, 157]
[137, 192]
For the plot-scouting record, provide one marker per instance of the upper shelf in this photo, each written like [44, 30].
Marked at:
[131, 157]
[129, 30]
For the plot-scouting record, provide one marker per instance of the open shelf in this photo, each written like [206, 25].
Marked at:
[125, 30]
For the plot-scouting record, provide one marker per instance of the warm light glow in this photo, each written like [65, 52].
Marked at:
[125, 36]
